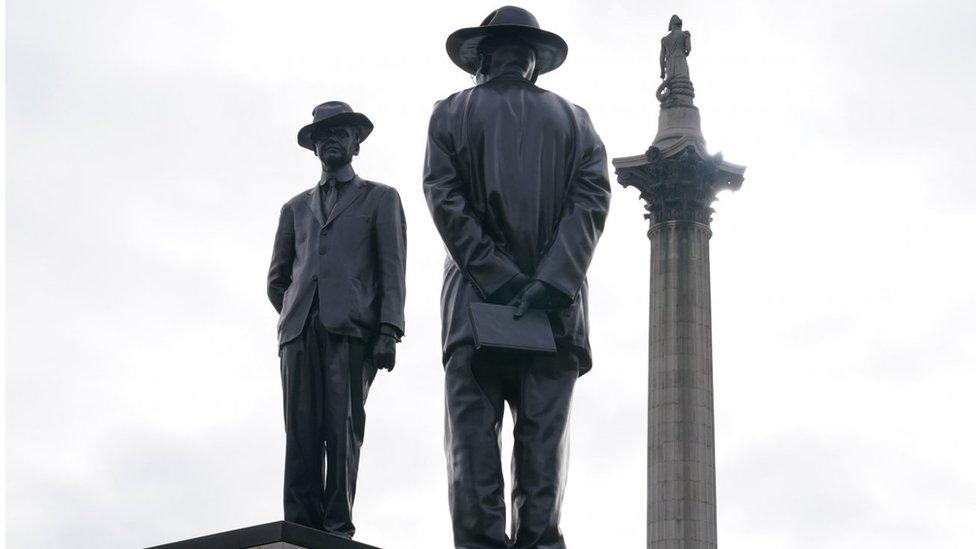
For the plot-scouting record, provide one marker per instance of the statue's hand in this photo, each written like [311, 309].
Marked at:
[509, 290]
[533, 296]
[384, 352]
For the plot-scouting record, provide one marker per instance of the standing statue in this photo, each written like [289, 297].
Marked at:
[675, 48]
[516, 181]
[337, 278]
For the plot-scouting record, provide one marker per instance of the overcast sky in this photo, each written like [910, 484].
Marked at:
[151, 144]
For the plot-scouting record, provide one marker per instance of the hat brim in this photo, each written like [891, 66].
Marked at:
[306, 135]
[463, 44]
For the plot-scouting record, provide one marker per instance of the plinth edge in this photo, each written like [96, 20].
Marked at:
[266, 534]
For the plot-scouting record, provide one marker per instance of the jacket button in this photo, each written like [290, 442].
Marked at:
[321, 251]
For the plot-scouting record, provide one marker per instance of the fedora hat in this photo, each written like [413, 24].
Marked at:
[330, 115]
[550, 49]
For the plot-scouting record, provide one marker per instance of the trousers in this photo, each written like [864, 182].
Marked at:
[539, 390]
[324, 382]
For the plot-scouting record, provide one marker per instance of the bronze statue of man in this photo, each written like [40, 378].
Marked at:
[516, 181]
[337, 278]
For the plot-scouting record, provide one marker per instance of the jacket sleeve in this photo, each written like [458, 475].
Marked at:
[568, 256]
[472, 250]
[282, 257]
[391, 246]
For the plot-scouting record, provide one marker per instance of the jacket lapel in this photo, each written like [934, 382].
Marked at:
[315, 203]
[347, 198]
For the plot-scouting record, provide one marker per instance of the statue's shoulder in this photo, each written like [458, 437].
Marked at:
[381, 190]
[376, 186]
[580, 111]
[450, 102]
[380, 196]
[555, 100]
[447, 112]
[298, 198]
[583, 118]
[567, 105]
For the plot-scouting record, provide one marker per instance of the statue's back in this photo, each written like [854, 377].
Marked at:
[674, 46]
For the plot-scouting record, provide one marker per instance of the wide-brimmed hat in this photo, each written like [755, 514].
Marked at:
[330, 115]
[550, 49]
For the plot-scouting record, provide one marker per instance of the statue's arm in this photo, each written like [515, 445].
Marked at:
[282, 257]
[568, 256]
[687, 43]
[472, 250]
[391, 248]
[662, 59]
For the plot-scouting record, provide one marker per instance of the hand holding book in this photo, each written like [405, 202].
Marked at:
[533, 296]
[537, 295]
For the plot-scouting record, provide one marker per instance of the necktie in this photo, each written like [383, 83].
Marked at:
[331, 194]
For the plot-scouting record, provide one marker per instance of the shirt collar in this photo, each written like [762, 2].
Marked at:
[341, 175]
[509, 74]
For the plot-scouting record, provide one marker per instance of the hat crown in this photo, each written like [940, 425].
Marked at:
[333, 114]
[510, 15]
[464, 46]
[330, 109]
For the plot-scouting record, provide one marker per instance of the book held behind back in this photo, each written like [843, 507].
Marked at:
[495, 326]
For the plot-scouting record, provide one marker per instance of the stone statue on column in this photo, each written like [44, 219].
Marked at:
[675, 48]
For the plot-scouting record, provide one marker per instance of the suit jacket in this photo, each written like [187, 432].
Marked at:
[516, 181]
[355, 260]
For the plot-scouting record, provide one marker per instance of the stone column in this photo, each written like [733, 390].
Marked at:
[678, 181]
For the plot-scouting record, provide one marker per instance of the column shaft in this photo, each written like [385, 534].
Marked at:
[680, 432]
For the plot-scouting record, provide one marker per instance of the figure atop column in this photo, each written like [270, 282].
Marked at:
[675, 48]
[677, 177]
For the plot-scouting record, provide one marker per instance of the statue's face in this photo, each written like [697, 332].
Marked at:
[335, 147]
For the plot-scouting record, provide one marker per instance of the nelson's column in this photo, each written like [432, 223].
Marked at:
[678, 181]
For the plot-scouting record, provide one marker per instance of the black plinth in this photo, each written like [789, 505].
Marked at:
[275, 535]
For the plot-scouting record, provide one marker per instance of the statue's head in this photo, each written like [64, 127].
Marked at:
[675, 23]
[335, 133]
[508, 52]
[335, 146]
[509, 35]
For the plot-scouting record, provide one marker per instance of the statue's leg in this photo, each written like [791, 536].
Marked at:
[343, 429]
[541, 406]
[302, 387]
[472, 423]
